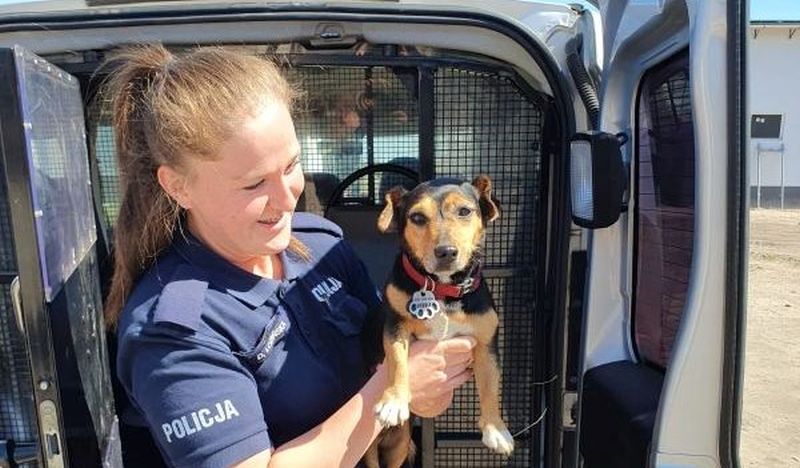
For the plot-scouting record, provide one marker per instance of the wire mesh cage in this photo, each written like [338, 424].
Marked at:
[486, 124]
[484, 121]
[17, 406]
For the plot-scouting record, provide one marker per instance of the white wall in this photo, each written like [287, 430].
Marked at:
[774, 87]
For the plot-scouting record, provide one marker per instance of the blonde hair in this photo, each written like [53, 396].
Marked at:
[167, 108]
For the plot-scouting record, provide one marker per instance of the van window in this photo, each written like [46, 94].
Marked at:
[664, 215]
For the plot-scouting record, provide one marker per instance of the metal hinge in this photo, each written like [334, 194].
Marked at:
[569, 412]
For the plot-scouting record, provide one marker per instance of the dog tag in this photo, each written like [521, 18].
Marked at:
[423, 304]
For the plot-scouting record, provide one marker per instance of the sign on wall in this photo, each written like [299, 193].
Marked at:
[765, 126]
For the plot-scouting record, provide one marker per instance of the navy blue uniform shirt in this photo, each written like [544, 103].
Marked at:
[222, 364]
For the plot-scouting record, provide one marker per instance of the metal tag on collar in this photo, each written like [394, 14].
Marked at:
[423, 304]
[466, 285]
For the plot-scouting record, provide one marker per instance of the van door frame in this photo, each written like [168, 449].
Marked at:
[737, 235]
[733, 290]
[37, 334]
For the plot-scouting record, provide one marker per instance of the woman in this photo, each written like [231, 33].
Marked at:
[239, 320]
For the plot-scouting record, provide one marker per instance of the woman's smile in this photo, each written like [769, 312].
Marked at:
[275, 224]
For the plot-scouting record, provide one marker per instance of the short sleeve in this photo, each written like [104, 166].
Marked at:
[200, 403]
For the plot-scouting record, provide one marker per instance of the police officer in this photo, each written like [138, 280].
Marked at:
[238, 320]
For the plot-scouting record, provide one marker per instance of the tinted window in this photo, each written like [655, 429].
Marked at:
[665, 168]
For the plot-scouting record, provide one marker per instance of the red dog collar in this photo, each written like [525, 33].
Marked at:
[442, 290]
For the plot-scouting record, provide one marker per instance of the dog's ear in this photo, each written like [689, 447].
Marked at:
[387, 221]
[490, 208]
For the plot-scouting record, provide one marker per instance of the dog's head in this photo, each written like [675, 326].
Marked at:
[441, 222]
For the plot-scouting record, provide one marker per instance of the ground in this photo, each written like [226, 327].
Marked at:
[771, 401]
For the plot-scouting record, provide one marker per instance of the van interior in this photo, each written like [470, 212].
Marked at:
[465, 96]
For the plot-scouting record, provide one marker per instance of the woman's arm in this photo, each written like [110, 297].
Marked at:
[342, 439]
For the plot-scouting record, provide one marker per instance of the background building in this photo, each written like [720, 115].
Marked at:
[775, 112]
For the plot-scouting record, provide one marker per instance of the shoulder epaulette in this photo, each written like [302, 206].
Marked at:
[182, 300]
[308, 222]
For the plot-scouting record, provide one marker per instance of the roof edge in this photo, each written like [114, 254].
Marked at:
[794, 22]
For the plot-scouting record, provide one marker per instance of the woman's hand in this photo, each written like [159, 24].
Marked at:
[435, 369]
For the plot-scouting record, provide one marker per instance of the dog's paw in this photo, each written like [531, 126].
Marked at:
[392, 411]
[498, 439]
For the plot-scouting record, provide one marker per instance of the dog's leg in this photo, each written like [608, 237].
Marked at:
[392, 409]
[395, 448]
[371, 457]
[487, 377]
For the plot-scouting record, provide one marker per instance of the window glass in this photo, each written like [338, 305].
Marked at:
[664, 191]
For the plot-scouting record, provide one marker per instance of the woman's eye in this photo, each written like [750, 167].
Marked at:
[464, 212]
[292, 166]
[418, 219]
[255, 186]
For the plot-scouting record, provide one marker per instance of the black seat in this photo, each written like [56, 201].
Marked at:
[360, 226]
[318, 190]
[618, 412]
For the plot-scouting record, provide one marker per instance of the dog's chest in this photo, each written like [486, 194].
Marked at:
[449, 322]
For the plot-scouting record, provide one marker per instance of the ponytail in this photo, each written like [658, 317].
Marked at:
[147, 215]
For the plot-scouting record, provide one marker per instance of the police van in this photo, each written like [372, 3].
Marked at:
[613, 131]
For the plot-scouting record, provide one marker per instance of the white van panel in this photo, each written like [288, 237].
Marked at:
[689, 415]
[608, 331]
[685, 461]
[464, 38]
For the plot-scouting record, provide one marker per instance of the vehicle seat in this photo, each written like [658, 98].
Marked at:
[618, 412]
[360, 224]
[376, 250]
[318, 190]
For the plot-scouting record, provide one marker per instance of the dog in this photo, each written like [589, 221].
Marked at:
[435, 291]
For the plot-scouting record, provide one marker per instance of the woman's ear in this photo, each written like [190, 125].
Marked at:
[174, 184]
[387, 221]
[490, 208]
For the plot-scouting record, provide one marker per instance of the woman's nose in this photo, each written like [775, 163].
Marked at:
[284, 196]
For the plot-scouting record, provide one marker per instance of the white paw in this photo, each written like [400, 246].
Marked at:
[499, 440]
[392, 412]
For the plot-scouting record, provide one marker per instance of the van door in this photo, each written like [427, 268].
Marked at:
[663, 312]
[56, 341]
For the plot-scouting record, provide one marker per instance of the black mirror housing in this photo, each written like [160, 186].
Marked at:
[598, 178]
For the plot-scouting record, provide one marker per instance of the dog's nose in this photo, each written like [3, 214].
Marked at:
[445, 252]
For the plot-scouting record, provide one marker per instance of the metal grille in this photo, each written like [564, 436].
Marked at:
[484, 124]
[515, 301]
[101, 144]
[17, 406]
[354, 117]
[8, 262]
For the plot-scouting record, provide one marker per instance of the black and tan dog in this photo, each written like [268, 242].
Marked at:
[435, 291]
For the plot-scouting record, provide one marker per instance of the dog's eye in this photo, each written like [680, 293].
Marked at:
[464, 212]
[418, 218]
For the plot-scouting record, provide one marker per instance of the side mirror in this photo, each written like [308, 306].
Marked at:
[598, 178]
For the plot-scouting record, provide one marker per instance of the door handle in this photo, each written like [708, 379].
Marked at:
[16, 302]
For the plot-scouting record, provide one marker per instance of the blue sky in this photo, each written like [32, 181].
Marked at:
[759, 9]
[772, 9]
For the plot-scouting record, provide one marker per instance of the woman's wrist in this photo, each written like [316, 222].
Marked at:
[381, 376]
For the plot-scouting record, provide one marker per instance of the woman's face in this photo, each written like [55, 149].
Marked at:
[241, 203]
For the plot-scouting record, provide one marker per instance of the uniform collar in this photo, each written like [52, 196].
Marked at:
[245, 286]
